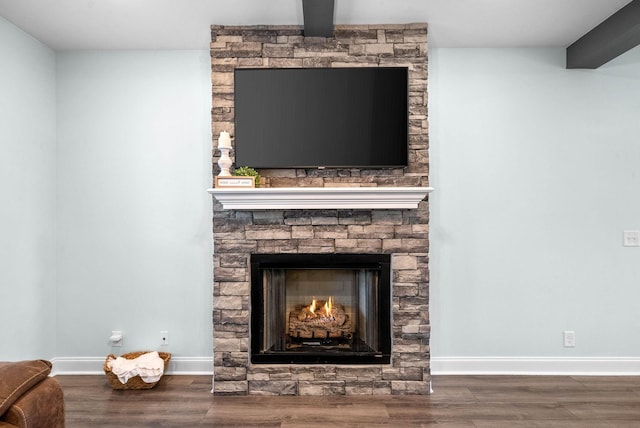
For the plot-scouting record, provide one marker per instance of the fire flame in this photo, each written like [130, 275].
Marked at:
[328, 306]
[321, 312]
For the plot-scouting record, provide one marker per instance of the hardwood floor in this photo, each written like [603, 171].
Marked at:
[457, 401]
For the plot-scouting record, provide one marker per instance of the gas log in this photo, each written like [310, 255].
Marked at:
[307, 323]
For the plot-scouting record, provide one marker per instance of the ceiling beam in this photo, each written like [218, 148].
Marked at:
[614, 36]
[318, 18]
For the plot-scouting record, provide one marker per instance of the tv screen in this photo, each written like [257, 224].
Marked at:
[321, 117]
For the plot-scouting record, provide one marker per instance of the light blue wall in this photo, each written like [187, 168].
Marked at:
[537, 173]
[105, 158]
[134, 218]
[536, 170]
[27, 196]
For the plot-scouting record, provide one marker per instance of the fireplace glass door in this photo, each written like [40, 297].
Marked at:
[316, 308]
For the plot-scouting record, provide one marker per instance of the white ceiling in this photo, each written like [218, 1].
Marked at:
[184, 24]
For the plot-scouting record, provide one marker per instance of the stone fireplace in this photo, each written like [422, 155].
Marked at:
[245, 234]
[320, 308]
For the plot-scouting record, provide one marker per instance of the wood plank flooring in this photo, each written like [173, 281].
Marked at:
[457, 401]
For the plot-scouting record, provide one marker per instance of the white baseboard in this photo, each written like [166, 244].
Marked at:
[93, 366]
[578, 366]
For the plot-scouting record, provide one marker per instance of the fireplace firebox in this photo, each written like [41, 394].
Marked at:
[320, 308]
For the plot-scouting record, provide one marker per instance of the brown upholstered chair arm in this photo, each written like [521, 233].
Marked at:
[41, 407]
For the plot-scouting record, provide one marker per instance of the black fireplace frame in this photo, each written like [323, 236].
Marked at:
[377, 262]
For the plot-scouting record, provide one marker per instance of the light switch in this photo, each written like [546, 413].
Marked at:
[631, 238]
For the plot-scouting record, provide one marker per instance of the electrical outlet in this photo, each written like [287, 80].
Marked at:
[164, 337]
[569, 338]
[631, 238]
[116, 338]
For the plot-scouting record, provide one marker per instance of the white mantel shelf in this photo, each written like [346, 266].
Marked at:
[284, 198]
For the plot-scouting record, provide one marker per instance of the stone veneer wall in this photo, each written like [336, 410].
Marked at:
[401, 233]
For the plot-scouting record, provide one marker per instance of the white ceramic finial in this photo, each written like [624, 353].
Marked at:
[224, 144]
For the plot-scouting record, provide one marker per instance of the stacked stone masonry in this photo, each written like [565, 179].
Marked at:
[401, 233]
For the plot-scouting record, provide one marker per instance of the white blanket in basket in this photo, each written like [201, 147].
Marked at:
[149, 367]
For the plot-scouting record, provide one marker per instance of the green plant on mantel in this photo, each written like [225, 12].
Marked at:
[246, 171]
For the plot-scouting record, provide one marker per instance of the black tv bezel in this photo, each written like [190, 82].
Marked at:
[360, 166]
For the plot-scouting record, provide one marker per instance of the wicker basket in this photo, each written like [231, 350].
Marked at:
[135, 382]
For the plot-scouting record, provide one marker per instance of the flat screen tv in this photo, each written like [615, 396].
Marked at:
[321, 117]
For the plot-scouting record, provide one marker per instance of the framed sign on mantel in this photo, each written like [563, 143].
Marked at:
[235, 182]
